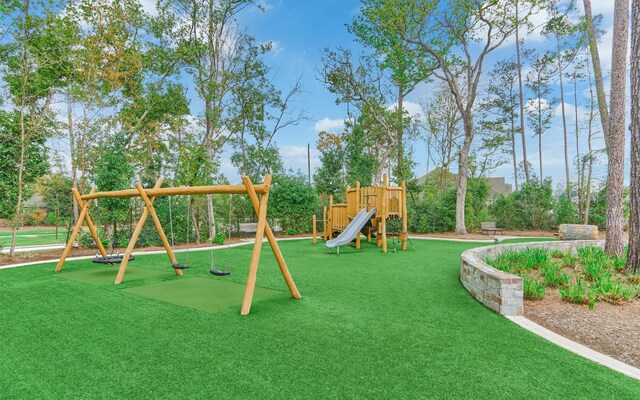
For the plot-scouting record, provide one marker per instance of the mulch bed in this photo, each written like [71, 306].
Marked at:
[609, 329]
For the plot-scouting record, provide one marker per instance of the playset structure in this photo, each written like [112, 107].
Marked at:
[382, 203]
[259, 195]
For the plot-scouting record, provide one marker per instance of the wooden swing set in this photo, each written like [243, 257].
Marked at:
[149, 195]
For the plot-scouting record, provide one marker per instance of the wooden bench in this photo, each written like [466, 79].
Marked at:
[247, 227]
[490, 227]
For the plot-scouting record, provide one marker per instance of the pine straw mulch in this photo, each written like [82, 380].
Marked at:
[608, 328]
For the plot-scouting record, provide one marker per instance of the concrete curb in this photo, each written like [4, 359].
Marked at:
[576, 348]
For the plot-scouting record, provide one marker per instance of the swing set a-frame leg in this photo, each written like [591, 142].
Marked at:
[84, 216]
[259, 207]
[136, 235]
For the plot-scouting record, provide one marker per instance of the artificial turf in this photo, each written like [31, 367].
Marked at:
[33, 237]
[370, 325]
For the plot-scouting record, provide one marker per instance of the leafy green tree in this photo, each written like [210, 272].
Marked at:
[33, 68]
[55, 189]
[407, 66]
[292, 201]
[113, 171]
[33, 163]
[458, 35]
[329, 178]
[500, 110]
[540, 107]
[360, 163]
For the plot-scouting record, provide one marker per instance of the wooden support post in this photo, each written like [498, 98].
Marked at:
[330, 218]
[324, 224]
[74, 233]
[134, 239]
[383, 221]
[358, 241]
[313, 229]
[403, 204]
[92, 227]
[358, 204]
[253, 196]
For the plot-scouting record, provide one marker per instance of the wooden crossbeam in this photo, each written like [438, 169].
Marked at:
[174, 191]
[84, 216]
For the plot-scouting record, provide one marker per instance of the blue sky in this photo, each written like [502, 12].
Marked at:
[300, 30]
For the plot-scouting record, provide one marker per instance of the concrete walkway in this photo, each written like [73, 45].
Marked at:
[26, 249]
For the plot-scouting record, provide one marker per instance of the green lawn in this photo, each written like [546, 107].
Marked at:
[33, 237]
[370, 325]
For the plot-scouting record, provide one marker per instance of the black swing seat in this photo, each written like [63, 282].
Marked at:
[180, 266]
[111, 259]
[217, 272]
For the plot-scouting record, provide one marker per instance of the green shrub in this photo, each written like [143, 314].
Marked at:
[435, 209]
[594, 270]
[613, 291]
[565, 211]
[531, 207]
[591, 253]
[618, 263]
[570, 261]
[219, 238]
[533, 288]
[292, 201]
[554, 277]
[579, 293]
[535, 258]
[519, 261]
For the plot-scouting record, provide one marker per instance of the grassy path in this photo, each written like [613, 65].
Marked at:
[370, 325]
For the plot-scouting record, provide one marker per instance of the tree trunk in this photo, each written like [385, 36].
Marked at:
[521, 98]
[540, 137]
[463, 167]
[578, 161]
[597, 69]
[18, 209]
[513, 152]
[615, 147]
[72, 156]
[564, 127]
[633, 258]
[592, 114]
[399, 138]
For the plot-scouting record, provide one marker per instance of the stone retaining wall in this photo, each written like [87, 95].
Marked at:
[498, 290]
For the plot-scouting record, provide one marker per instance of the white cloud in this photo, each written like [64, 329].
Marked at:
[329, 125]
[295, 157]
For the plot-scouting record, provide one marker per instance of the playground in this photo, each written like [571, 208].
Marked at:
[369, 325]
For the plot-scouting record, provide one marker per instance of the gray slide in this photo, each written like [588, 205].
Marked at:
[353, 229]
